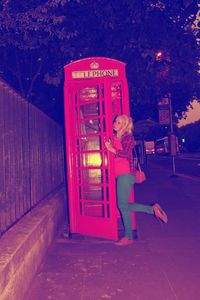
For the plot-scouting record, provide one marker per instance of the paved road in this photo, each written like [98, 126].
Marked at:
[185, 164]
[163, 264]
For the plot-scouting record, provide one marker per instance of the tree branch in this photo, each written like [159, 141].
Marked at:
[37, 73]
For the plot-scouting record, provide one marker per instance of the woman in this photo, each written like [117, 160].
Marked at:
[121, 147]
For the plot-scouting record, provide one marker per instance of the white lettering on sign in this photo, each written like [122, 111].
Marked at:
[163, 101]
[94, 73]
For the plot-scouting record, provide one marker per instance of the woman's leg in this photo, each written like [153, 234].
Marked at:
[124, 186]
[137, 207]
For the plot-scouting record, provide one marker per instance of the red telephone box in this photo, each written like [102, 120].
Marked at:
[95, 91]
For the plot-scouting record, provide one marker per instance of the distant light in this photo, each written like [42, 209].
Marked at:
[183, 140]
[159, 55]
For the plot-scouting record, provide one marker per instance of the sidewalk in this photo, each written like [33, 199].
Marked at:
[190, 155]
[163, 264]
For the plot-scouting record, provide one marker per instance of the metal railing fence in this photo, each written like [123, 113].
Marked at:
[31, 156]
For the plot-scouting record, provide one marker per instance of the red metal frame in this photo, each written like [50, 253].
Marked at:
[95, 92]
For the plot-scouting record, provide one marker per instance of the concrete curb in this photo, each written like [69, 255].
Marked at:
[24, 246]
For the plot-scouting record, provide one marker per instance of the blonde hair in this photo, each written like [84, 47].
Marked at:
[128, 124]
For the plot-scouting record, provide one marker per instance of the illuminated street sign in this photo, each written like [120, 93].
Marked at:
[164, 116]
[164, 111]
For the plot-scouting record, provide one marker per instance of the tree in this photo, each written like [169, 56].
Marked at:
[133, 32]
[190, 134]
[43, 36]
[33, 33]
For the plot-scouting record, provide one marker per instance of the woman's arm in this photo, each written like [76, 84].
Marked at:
[110, 147]
[128, 143]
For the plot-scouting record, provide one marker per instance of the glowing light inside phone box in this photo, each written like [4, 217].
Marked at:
[92, 159]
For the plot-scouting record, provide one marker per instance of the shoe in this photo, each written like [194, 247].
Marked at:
[124, 242]
[159, 213]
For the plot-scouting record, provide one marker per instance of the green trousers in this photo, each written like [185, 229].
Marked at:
[124, 185]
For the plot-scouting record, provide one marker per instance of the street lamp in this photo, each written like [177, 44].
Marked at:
[159, 55]
[165, 107]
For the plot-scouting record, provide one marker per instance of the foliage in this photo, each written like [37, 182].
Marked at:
[32, 32]
[191, 134]
[40, 36]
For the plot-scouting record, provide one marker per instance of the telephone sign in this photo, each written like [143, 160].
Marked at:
[94, 73]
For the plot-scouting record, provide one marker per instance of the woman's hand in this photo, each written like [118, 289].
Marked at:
[109, 146]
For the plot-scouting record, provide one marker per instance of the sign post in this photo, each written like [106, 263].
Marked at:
[165, 118]
[172, 140]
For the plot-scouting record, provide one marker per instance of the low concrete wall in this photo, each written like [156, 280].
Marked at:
[24, 246]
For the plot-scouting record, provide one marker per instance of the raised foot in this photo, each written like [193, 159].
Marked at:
[159, 213]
